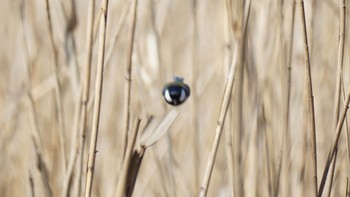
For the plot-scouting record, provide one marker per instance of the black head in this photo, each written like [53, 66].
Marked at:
[177, 92]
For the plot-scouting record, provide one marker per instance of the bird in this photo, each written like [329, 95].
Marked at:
[175, 93]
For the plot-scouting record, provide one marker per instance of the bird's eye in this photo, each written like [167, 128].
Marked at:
[176, 92]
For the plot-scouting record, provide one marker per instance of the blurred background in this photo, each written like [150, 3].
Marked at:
[265, 146]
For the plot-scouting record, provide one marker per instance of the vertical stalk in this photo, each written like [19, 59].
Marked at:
[133, 15]
[229, 128]
[196, 136]
[335, 142]
[121, 187]
[58, 92]
[220, 124]
[287, 138]
[98, 97]
[338, 82]
[82, 109]
[342, 10]
[308, 86]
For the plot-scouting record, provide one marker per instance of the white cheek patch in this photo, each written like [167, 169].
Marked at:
[167, 96]
[183, 95]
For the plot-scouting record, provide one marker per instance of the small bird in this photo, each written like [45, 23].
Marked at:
[176, 92]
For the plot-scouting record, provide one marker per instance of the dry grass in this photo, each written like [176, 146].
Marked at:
[285, 133]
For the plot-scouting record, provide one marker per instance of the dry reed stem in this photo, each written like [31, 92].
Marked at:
[80, 132]
[335, 142]
[238, 130]
[239, 30]
[308, 86]
[126, 116]
[135, 164]
[287, 138]
[220, 124]
[341, 41]
[68, 181]
[280, 50]
[121, 187]
[229, 152]
[346, 125]
[58, 92]
[194, 115]
[35, 136]
[153, 131]
[227, 61]
[269, 161]
[98, 97]
[38, 148]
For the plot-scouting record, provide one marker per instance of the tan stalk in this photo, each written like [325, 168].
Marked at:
[121, 187]
[38, 148]
[308, 86]
[58, 92]
[126, 116]
[194, 116]
[82, 108]
[98, 97]
[220, 124]
[287, 136]
[341, 41]
[335, 142]
[229, 126]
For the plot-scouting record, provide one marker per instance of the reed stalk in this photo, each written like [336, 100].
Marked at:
[80, 132]
[308, 87]
[58, 89]
[223, 111]
[130, 46]
[338, 86]
[121, 187]
[98, 98]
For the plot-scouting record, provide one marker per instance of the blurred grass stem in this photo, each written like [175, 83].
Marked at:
[131, 35]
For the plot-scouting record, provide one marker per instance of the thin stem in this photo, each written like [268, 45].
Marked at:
[128, 73]
[38, 148]
[58, 97]
[121, 187]
[220, 124]
[98, 96]
[308, 86]
[342, 9]
[194, 117]
[82, 106]
[338, 82]
[229, 134]
[335, 142]
[287, 137]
